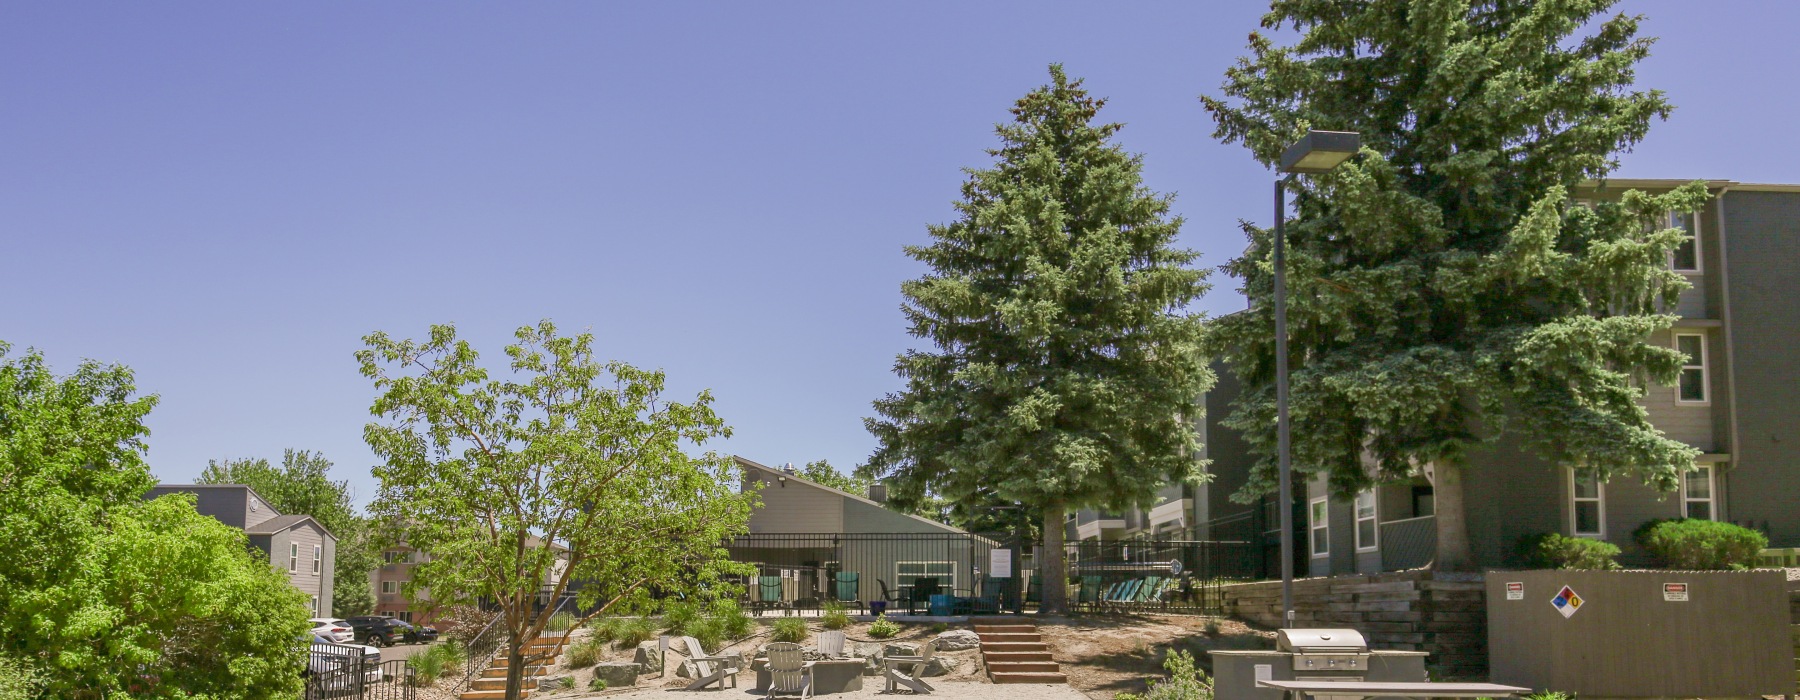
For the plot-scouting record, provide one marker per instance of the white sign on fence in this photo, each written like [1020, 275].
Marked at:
[1000, 563]
[1675, 592]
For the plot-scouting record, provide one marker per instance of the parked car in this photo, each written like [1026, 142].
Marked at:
[381, 631]
[333, 629]
[332, 668]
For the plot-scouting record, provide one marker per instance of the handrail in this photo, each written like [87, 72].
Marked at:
[474, 667]
[1407, 520]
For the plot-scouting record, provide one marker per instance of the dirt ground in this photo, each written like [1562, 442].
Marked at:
[1107, 655]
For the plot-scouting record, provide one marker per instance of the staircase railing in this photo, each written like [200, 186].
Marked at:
[488, 644]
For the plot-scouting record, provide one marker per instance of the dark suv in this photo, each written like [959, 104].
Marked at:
[381, 631]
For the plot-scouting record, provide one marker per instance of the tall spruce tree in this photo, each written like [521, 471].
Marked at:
[1067, 368]
[1445, 290]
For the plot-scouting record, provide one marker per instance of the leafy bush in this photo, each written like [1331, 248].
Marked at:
[1687, 543]
[788, 629]
[463, 622]
[438, 661]
[1185, 682]
[584, 653]
[605, 629]
[566, 682]
[835, 618]
[455, 655]
[883, 627]
[18, 679]
[678, 614]
[597, 685]
[1554, 551]
[632, 631]
[560, 622]
[708, 631]
[733, 621]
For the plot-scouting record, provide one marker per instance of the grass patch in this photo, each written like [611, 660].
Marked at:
[835, 618]
[584, 653]
[634, 631]
[788, 629]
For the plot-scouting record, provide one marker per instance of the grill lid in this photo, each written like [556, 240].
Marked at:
[1321, 641]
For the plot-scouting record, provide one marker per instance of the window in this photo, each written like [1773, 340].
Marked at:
[315, 606]
[406, 616]
[1697, 493]
[1692, 388]
[318, 558]
[397, 557]
[906, 572]
[293, 556]
[1587, 497]
[1365, 521]
[1686, 257]
[389, 586]
[1321, 527]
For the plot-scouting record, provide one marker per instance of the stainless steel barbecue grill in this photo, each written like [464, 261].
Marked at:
[1325, 654]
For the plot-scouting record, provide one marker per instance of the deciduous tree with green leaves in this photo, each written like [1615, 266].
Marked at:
[1067, 371]
[302, 485]
[821, 472]
[1444, 290]
[104, 595]
[494, 477]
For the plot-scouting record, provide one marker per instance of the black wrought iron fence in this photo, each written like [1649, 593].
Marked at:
[344, 672]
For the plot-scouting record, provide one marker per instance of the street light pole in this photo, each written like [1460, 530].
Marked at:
[1317, 152]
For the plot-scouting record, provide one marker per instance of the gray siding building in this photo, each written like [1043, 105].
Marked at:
[1737, 402]
[294, 544]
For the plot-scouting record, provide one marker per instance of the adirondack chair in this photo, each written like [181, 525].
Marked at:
[789, 671]
[768, 593]
[847, 589]
[913, 676]
[831, 644]
[709, 669]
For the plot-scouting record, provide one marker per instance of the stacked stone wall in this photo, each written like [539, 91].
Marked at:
[1443, 614]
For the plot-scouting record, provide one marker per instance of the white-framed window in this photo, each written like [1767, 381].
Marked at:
[1319, 524]
[390, 586]
[293, 557]
[1366, 534]
[318, 558]
[406, 616]
[1697, 489]
[1685, 257]
[906, 572]
[1587, 503]
[1693, 387]
[315, 606]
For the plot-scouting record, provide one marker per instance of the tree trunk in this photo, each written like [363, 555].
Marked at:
[515, 668]
[1053, 568]
[1452, 520]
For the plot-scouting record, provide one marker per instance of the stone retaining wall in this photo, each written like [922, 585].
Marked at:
[1444, 614]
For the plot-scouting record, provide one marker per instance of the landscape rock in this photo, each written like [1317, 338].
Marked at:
[552, 683]
[958, 640]
[941, 665]
[900, 649]
[617, 674]
[646, 657]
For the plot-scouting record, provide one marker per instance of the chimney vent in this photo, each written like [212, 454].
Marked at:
[878, 492]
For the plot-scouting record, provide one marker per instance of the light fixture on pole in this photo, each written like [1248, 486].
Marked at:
[1317, 152]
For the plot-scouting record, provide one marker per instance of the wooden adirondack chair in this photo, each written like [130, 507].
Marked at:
[789, 671]
[709, 669]
[831, 644]
[914, 675]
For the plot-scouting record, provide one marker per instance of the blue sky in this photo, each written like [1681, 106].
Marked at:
[227, 197]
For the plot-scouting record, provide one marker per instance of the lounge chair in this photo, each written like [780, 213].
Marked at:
[768, 593]
[831, 644]
[847, 589]
[709, 669]
[789, 671]
[922, 591]
[913, 678]
[992, 598]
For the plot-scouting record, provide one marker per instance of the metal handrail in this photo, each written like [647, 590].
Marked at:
[474, 667]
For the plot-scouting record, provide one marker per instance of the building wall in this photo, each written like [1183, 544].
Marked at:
[1762, 265]
[305, 537]
[795, 507]
[225, 504]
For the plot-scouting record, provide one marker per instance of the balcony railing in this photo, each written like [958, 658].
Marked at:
[1409, 543]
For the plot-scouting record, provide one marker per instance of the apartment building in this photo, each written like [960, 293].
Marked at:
[293, 543]
[397, 566]
[1737, 401]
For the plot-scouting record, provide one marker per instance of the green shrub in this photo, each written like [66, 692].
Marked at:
[597, 685]
[883, 627]
[455, 655]
[560, 622]
[584, 653]
[1185, 682]
[708, 631]
[605, 629]
[567, 682]
[678, 614]
[426, 668]
[835, 618]
[633, 631]
[939, 627]
[1212, 628]
[18, 679]
[1554, 551]
[788, 629]
[733, 621]
[1687, 543]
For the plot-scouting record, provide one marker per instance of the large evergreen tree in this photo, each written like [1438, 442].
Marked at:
[1444, 288]
[1067, 370]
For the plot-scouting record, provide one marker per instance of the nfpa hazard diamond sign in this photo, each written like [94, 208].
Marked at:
[1566, 602]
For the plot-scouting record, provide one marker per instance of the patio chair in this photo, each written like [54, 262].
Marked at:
[922, 591]
[1088, 596]
[789, 671]
[709, 669]
[847, 589]
[992, 598]
[768, 593]
[831, 644]
[913, 676]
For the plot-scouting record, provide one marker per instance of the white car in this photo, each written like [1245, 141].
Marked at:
[333, 630]
[327, 662]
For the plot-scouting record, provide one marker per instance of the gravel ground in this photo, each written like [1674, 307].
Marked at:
[872, 688]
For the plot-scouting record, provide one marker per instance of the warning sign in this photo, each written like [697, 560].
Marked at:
[1515, 590]
[1675, 592]
[1567, 602]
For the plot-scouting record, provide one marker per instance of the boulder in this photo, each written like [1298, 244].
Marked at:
[958, 640]
[647, 657]
[617, 674]
[554, 683]
[941, 665]
[900, 649]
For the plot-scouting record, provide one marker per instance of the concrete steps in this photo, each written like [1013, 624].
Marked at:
[491, 684]
[1014, 652]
